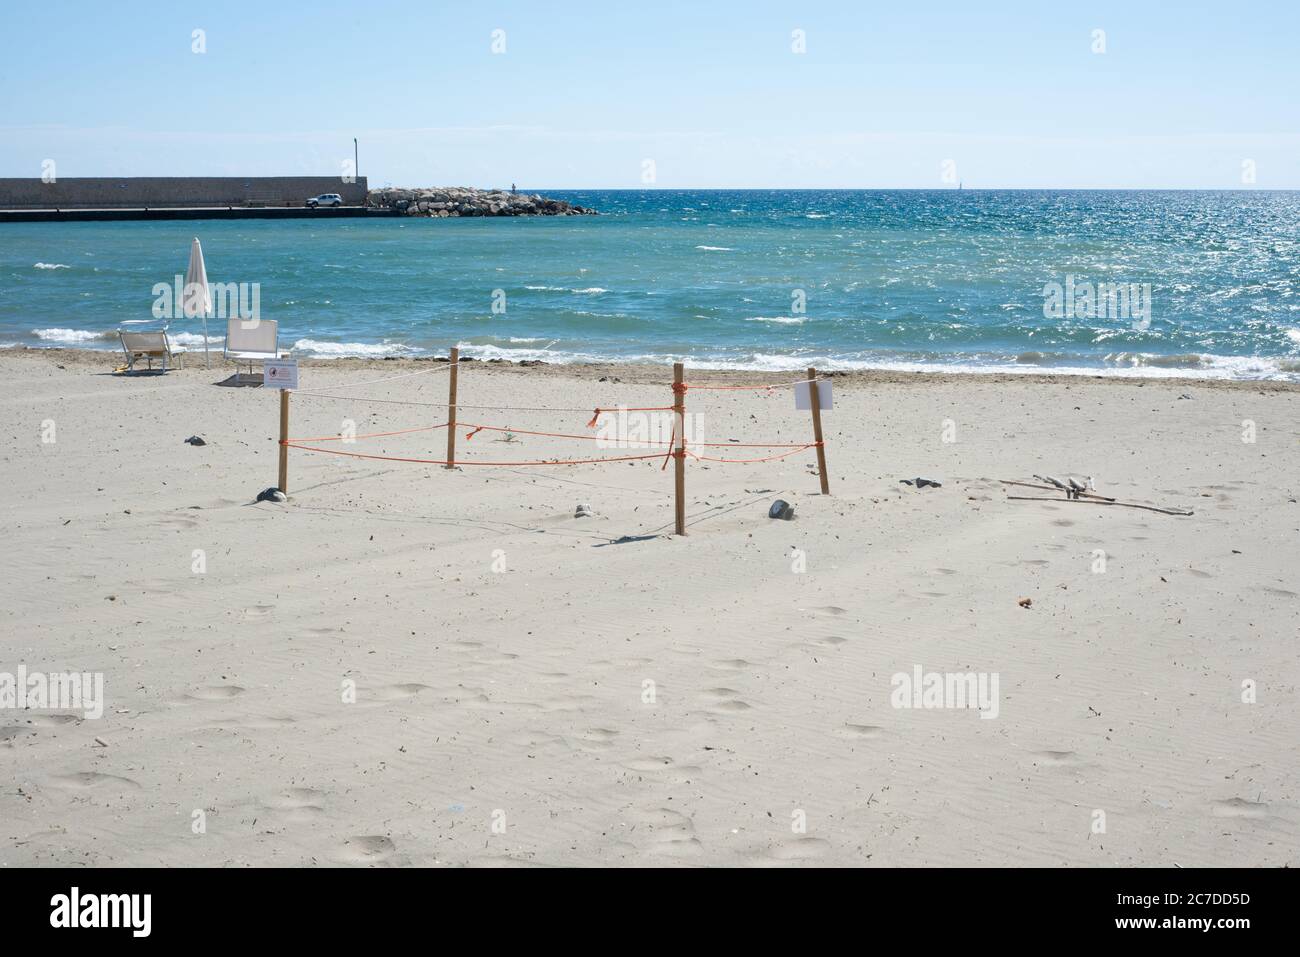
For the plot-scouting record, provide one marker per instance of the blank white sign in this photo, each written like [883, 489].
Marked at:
[803, 395]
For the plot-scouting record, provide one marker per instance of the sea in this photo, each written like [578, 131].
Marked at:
[1132, 283]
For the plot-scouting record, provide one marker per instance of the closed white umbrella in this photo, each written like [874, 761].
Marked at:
[197, 299]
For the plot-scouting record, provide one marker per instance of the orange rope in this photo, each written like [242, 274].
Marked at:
[599, 411]
[596, 438]
[370, 435]
[394, 458]
[770, 458]
[475, 427]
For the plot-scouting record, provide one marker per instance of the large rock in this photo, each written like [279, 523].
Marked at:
[464, 201]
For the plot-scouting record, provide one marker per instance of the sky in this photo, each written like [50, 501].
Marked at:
[614, 94]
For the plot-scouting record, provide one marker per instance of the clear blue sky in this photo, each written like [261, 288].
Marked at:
[1011, 92]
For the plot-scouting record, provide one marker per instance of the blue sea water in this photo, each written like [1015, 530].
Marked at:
[766, 279]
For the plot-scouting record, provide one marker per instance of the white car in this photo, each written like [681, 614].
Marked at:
[325, 199]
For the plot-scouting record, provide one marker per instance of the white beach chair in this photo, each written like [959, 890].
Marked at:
[148, 344]
[248, 341]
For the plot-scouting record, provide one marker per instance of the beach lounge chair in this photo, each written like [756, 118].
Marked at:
[252, 342]
[148, 344]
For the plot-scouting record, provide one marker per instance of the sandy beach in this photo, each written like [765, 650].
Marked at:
[534, 688]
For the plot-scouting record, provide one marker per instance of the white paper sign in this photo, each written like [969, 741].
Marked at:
[280, 373]
[803, 397]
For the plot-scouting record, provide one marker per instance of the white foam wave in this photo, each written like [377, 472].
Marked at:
[72, 335]
[716, 249]
[50, 266]
[361, 349]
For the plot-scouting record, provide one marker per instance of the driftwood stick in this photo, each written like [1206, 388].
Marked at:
[1149, 508]
[1053, 488]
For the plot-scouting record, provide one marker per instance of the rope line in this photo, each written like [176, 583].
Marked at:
[394, 458]
[370, 435]
[404, 375]
[672, 453]
[473, 427]
[445, 405]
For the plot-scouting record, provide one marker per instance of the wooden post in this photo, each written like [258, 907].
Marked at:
[815, 401]
[284, 437]
[679, 410]
[451, 409]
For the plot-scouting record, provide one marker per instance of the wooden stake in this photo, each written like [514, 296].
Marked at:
[451, 409]
[815, 401]
[284, 437]
[679, 410]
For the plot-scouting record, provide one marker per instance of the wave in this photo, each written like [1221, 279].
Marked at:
[185, 339]
[74, 335]
[339, 350]
[50, 266]
[780, 320]
[590, 291]
[1064, 364]
[716, 249]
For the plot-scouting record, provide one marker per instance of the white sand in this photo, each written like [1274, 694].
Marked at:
[517, 696]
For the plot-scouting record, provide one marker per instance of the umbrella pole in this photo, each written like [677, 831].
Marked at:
[207, 360]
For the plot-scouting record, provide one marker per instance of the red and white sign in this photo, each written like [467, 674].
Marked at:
[280, 373]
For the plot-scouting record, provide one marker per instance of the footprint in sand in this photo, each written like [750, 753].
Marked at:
[597, 739]
[297, 804]
[832, 641]
[859, 731]
[1058, 759]
[725, 700]
[12, 731]
[214, 693]
[800, 849]
[669, 845]
[53, 720]
[179, 521]
[663, 769]
[533, 739]
[1240, 807]
[391, 692]
[733, 664]
[832, 611]
[87, 780]
[366, 849]
[258, 612]
[649, 764]
[665, 833]
[259, 722]
[500, 658]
